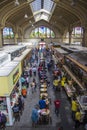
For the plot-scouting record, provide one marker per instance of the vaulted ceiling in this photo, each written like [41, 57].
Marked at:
[60, 14]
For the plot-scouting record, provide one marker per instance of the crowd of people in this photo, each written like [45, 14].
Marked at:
[40, 64]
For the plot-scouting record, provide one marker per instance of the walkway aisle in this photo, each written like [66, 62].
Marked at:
[64, 119]
[25, 120]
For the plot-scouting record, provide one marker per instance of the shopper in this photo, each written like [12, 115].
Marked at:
[85, 127]
[30, 72]
[85, 119]
[34, 69]
[16, 112]
[57, 106]
[0, 119]
[20, 105]
[55, 84]
[33, 86]
[42, 103]
[24, 92]
[74, 107]
[27, 81]
[35, 116]
[3, 120]
[77, 119]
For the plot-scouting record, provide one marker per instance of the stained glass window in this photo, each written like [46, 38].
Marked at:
[8, 33]
[42, 32]
[77, 32]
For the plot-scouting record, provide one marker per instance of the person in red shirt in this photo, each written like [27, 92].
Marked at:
[57, 106]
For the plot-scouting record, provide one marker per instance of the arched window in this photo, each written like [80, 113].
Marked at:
[42, 32]
[77, 32]
[8, 33]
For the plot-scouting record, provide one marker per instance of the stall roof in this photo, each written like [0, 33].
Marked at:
[61, 51]
[11, 64]
[22, 56]
[2, 54]
[80, 56]
[74, 48]
[10, 49]
[8, 68]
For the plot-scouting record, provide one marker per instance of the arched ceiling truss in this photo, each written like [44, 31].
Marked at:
[65, 14]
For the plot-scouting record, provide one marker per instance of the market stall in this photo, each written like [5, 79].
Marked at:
[24, 60]
[9, 89]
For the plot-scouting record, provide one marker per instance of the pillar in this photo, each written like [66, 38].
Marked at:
[1, 37]
[84, 39]
[70, 36]
[9, 111]
[20, 85]
[22, 38]
[16, 38]
[9, 56]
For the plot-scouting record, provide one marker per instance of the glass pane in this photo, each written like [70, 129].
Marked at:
[46, 7]
[36, 5]
[36, 32]
[6, 32]
[42, 32]
[48, 32]
[48, 4]
[32, 35]
[52, 34]
[11, 33]
[77, 31]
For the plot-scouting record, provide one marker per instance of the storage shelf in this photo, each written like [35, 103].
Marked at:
[72, 76]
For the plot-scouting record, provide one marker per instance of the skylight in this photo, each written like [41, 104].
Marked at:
[42, 9]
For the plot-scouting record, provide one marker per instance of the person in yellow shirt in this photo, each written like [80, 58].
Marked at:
[74, 107]
[77, 119]
[55, 83]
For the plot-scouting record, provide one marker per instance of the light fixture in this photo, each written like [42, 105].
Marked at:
[26, 16]
[16, 3]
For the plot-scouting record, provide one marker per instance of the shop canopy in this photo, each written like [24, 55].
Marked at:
[42, 43]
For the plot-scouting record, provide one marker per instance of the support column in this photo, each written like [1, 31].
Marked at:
[9, 111]
[84, 39]
[70, 29]
[16, 38]
[70, 36]
[16, 34]
[20, 85]
[1, 37]
[22, 38]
